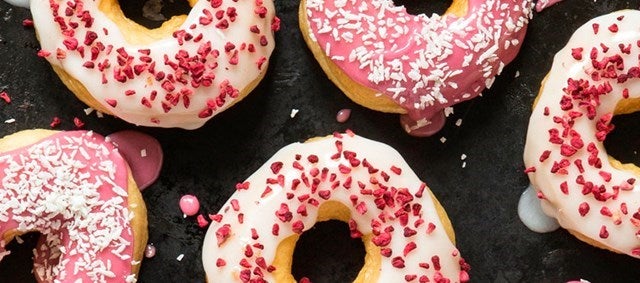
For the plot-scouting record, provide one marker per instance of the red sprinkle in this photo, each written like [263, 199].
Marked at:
[55, 122]
[5, 96]
[79, 124]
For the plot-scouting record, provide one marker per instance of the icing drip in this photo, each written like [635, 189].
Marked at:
[531, 213]
[19, 3]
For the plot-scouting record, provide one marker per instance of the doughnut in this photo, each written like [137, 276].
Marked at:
[178, 75]
[78, 192]
[388, 60]
[594, 77]
[405, 231]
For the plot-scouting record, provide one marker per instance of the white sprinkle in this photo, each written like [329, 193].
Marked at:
[448, 111]
[464, 164]
[19, 240]
[9, 121]
[517, 74]
[463, 157]
[443, 139]
[293, 113]
[143, 152]
[179, 258]
[459, 122]
[88, 111]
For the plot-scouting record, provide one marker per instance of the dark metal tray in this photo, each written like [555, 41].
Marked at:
[481, 198]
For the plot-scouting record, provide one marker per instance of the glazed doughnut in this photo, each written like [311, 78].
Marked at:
[594, 77]
[179, 75]
[388, 60]
[75, 189]
[364, 183]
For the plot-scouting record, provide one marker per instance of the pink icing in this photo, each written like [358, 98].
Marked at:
[543, 4]
[424, 64]
[150, 251]
[189, 205]
[343, 115]
[143, 154]
[71, 187]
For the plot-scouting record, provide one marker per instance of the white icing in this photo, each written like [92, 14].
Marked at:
[259, 211]
[621, 227]
[532, 215]
[19, 3]
[129, 106]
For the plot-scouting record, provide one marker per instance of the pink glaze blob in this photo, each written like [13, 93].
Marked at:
[143, 153]
[189, 205]
[424, 64]
[150, 251]
[343, 115]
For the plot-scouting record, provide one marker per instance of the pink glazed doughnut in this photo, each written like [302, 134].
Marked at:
[388, 60]
[77, 190]
[594, 77]
[178, 75]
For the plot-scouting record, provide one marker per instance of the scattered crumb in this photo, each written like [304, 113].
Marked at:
[143, 153]
[99, 114]
[464, 164]
[448, 111]
[55, 122]
[19, 240]
[79, 124]
[459, 122]
[517, 74]
[463, 157]
[27, 23]
[88, 111]
[443, 139]
[180, 257]
[294, 112]
[9, 121]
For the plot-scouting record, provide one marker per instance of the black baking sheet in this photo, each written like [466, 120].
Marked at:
[481, 198]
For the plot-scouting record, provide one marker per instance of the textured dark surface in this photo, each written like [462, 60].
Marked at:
[481, 198]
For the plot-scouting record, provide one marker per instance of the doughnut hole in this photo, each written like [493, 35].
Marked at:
[19, 264]
[362, 267]
[152, 13]
[137, 34]
[326, 253]
[623, 143]
[430, 7]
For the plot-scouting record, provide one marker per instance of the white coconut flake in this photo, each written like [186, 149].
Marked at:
[180, 257]
[294, 112]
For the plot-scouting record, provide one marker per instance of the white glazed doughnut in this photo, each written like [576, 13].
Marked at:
[346, 177]
[179, 75]
[596, 76]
